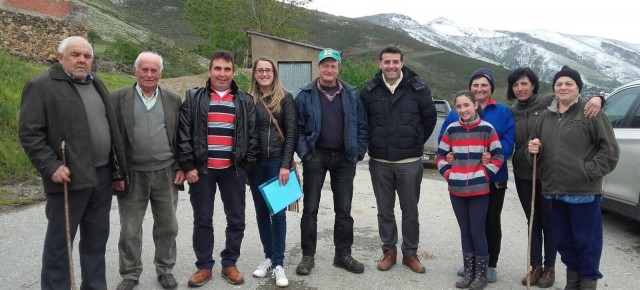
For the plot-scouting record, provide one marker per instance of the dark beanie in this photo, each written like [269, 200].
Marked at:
[485, 73]
[569, 72]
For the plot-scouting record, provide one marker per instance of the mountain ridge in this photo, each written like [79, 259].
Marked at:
[604, 63]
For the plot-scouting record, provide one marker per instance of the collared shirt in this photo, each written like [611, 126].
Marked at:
[76, 80]
[392, 88]
[148, 102]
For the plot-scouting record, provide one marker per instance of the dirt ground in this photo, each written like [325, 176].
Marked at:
[182, 84]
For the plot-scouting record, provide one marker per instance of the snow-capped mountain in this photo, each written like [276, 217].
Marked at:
[603, 63]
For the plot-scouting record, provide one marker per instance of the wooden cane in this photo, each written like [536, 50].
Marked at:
[533, 202]
[66, 222]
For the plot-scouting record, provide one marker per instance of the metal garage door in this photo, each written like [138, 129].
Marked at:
[294, 75]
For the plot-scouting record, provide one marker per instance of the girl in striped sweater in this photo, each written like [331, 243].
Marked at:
[468, 179]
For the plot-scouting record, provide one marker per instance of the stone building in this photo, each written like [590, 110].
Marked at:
[33, 29]
[297, 62]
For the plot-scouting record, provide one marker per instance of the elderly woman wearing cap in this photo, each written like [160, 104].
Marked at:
[574, 153]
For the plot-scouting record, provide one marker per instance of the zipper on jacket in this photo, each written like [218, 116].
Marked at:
[268, 140]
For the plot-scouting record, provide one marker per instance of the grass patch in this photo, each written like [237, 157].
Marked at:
[12, 198]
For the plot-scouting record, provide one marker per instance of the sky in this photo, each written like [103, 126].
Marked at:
[614, 19]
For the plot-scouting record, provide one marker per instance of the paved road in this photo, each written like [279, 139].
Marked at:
[22, 232]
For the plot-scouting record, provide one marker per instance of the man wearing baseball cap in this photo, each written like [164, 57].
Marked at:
[333, 136]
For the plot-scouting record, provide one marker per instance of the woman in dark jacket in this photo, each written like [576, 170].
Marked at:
[274, 160]
[574, 154]
[523, 86]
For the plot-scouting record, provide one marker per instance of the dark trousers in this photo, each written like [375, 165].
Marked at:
[404, 179]
[471, 213]
[342, 174]
[541, 228]
[89, 210]
[493, 226]
[202, 195]
[577, 229]
[155, 188]
[272, 228]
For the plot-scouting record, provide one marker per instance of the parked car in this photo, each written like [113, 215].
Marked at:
[431, 146]
[621, 187]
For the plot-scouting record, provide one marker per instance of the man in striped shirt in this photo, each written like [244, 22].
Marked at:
[217, 146]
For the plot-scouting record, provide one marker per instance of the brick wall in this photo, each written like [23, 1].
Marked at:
[57, 9]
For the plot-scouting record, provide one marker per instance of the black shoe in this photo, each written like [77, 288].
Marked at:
[348, 263]
[304, 268]
[127, 284]
[167, 281]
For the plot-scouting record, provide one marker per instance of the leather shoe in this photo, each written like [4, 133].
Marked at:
[127, 284]
[167, 281]
[232, 275]
[413, 262]
[387, 260]
[200, 277]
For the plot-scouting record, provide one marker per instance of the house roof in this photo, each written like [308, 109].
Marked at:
[253, 32]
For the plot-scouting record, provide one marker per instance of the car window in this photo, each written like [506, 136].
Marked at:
[442, 107]
[618, 104]
[635, 122]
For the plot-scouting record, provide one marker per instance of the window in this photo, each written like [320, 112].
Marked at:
[619, 104]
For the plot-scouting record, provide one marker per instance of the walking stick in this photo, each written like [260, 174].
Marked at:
[66, 223]
[533, 202]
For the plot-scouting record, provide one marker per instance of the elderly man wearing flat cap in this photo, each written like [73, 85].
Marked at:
[333, 135]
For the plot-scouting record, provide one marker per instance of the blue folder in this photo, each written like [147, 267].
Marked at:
[278, 197]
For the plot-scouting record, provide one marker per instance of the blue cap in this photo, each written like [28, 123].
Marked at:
[329, 52]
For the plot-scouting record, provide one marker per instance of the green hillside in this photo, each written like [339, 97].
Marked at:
[444, 72]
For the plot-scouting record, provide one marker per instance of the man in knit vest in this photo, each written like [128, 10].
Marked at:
[148, 120]
[217, 147]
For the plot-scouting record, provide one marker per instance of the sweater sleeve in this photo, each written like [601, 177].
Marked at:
[606, 157]
[507, 134]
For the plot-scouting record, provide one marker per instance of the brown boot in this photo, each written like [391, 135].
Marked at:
[199, 277]
[387, 260]
[534, 275]
[232, 275]
[413, 262]
[548, 277]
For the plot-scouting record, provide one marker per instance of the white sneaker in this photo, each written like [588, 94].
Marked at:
[281, 279]
[263, 269]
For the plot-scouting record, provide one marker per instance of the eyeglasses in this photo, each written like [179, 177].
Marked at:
[264, 70]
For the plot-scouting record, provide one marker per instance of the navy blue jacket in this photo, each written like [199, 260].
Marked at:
[309, 119]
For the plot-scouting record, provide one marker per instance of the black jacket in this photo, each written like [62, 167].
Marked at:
[271, 145]
[51, 110]
[192, 130]
[401, 122]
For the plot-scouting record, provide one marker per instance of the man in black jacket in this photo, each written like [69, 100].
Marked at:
[401, 116]
[69, 104]
[217, 145]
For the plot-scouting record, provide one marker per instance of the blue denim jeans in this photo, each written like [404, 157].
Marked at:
[541, 229]
[202, 194]
[342, 174]
[272, 229]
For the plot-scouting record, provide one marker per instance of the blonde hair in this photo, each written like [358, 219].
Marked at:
[276, 91]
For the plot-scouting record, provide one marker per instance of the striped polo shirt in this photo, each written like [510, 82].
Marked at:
[220, 130]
